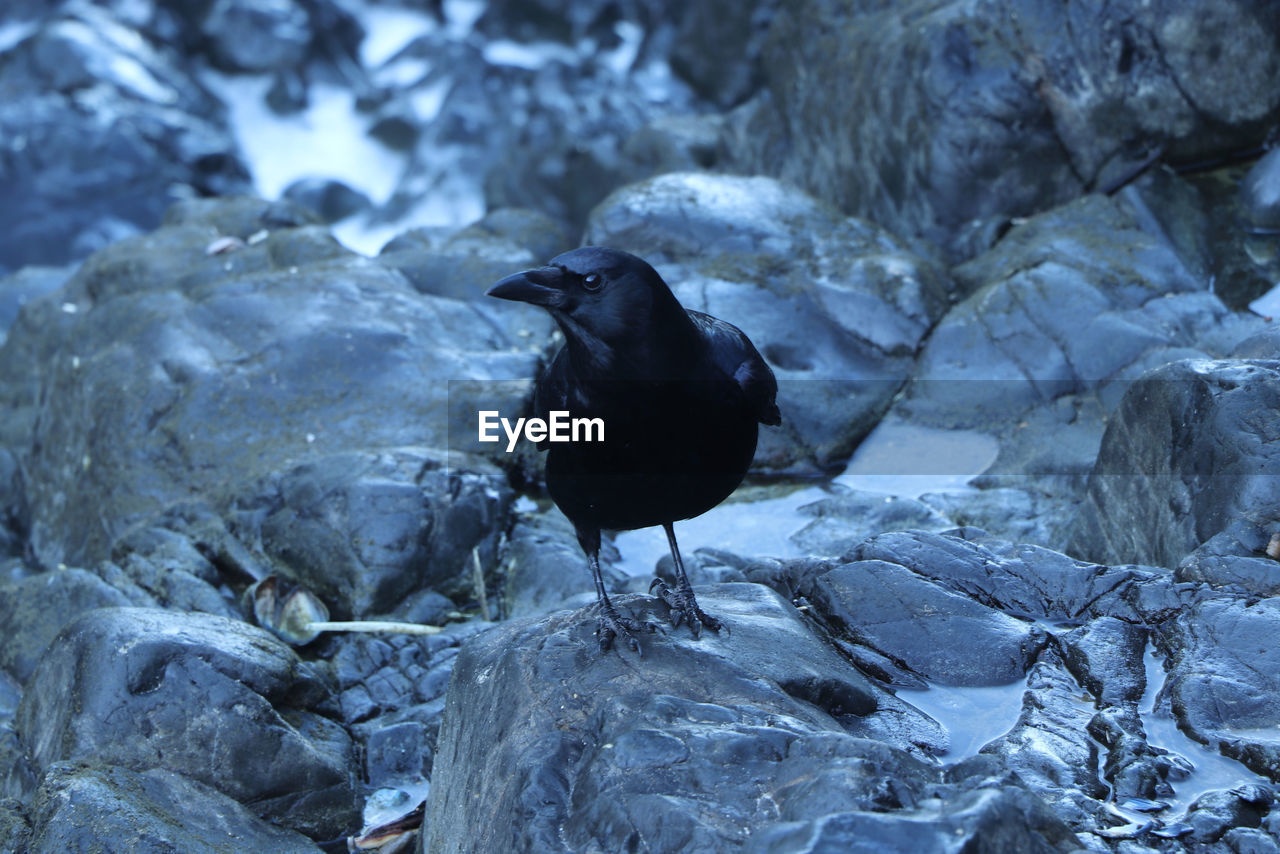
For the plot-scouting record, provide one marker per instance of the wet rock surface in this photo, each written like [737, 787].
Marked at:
[210, 698]
[1006, 240]
[582, 755]
[1213, 463]
[1002, 115]
[124, 809]
[260, 445]
[102, 127]
[1225, 698]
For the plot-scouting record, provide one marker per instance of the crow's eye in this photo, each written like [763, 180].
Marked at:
[592, 282]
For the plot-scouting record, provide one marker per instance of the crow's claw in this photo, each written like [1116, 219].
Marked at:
[610, 625]
[684, 607]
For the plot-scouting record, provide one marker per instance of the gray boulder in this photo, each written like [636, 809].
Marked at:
[988, 820]
[919, 623]
[546, 568]
[1064, 314]
[212, 699]
[244, 362]
[1222, 680]
[1190, 452]
[678, 753]
[848, 517]
[1029, 581]
[35, 609]
[947, 119]
[102, 126]
[113, 810]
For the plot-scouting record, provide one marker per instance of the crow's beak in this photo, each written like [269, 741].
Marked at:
[536, 287]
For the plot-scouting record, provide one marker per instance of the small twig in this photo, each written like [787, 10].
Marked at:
[373, 626]
[481, 594]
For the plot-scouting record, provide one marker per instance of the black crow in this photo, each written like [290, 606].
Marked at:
[680, 394]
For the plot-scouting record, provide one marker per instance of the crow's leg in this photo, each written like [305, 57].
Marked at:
[683, 605]
[609, 624]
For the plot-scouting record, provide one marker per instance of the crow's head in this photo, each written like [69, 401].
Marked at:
[606, 301]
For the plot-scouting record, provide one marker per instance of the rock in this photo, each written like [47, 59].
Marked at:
[1105, 656]
[19, 779]
[1260, 194]
[1264, 345]
[365, 530]
[1222, 679]
[546, 568]
[215, 700]
[256, 36]
[10, 695]
[15, 831]
[1191, 450]
[391, 694]
[675, 144]
[35, 609]
[378, 675]
[242, 217]
[541, 127]
[571, 22]
[101, 127]
[463, 264]
[1249, 840]
[1214, 813]
[912, 620]
[24, 285]
[1050, 748]
[595, 752]
[1040, 514]
[1026, 580]
[396, 124]
[703, 566]
[849, 517]
[717, 48]
[397, 755]
[836, 306]
[282, 380]
[288, 93]
[332, 200]
[1238, 558]
[1079, 299]
[543, 236]
[115, 810]
[14, 520]
[166, 584]
[1000, 116]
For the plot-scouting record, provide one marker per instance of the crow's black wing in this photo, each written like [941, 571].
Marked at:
[552, 391]
[733, 353]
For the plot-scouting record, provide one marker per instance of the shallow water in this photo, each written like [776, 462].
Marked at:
[972, 717]
[1213, 771]
[328, 139]
[388, 29]
[896, 458]
[746, 528]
